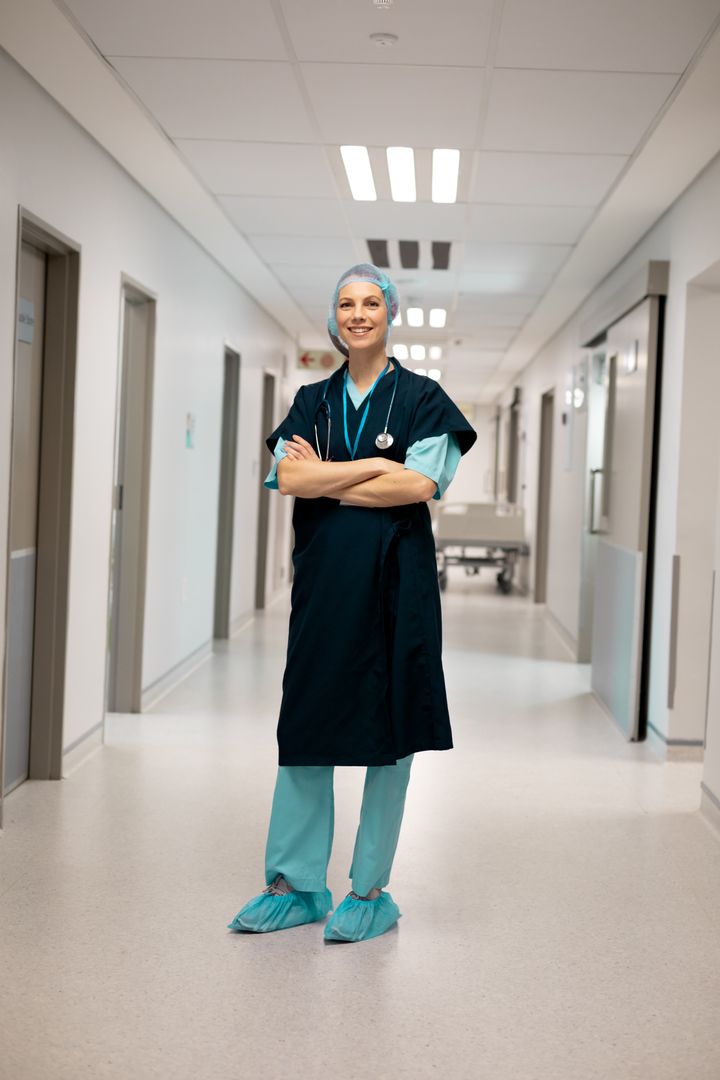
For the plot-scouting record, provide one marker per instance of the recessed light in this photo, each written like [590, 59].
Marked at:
[401, 351]
[446, 166]
[435, 373]
[435, 352]
[420, 371]
[401, 167]
[359, 173]
[384, 41]
[415, 316]
[397, 321]
[417, 352]
[438, 316]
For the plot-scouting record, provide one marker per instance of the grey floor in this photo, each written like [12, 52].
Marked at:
[560, 890]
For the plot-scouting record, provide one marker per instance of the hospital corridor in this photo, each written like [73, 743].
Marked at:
[360, 540]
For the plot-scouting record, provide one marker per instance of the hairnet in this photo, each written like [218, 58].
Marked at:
[373, 275]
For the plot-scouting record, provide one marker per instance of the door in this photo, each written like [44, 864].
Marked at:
[226, 498]
[24, 475]
[128, 543]
[597, 380]
[542, 528]
[623, 568]
[41, 470]
[264, 505]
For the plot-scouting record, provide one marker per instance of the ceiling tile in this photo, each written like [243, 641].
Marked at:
[267, 169]
[547, 179]
[306, 250]
[528, 224]
[509, 303]
[572, 112]
[407, 221]
[584, 35]
[258, 216]
[234, 29]
[341, 29]
[220, 99]
[520, 280]
[397, 106]
[502, 258]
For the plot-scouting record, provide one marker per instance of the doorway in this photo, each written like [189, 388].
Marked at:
[37, 570]
[226, 500]
[128, 534]
[542, 528]
[622, 602]
[268, 406]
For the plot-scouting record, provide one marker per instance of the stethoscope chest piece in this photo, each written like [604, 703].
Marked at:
[384, 440]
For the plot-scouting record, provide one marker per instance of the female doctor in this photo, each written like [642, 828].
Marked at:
[362, 452]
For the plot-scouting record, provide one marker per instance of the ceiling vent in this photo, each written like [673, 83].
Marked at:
[379, 252]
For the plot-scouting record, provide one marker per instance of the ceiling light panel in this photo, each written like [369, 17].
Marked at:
[359, 174]
[445, 171]
[438, 317]
[401, 351]
[435, 352]
[417, 352]
[415, 316]
[401, 169]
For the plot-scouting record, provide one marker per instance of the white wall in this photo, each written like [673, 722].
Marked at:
[52, 168]
[688, 235]
[473, 479]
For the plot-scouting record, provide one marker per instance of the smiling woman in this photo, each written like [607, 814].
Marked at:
[363, 683]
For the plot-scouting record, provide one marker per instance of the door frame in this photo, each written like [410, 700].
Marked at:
[130, 288]
[226, 491]
[55, 469]
[544, 494]
[269, 387]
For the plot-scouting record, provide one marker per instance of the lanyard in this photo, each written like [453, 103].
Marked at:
[352, 451]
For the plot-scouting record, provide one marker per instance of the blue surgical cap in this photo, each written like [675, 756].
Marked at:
[373, 275]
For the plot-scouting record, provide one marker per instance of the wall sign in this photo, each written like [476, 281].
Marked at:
[26, 320]
[319, 359]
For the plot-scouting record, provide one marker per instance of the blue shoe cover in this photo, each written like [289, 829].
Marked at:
[267, 912]
[357, 920]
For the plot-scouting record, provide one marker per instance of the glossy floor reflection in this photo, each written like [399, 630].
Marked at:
[560, 891]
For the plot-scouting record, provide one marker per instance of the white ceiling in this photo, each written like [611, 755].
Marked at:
[548, 100]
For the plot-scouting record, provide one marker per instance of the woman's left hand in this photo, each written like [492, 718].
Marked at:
[299, 449]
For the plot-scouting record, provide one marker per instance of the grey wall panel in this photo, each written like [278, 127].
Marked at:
[617, 623]
[21, 605]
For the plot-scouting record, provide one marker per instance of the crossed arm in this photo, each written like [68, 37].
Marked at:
[367, 482]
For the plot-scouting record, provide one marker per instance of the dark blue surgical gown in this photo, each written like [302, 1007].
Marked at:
[363, 681]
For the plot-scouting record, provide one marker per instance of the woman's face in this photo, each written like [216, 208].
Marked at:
[361, 315]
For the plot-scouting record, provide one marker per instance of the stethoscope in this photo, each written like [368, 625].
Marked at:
[383, 440]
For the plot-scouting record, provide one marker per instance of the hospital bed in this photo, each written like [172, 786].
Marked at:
[472, 535]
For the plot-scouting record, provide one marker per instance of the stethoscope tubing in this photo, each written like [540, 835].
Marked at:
[328, 412]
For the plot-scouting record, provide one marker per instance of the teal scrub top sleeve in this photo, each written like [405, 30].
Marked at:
[436, 457]
[271, 480]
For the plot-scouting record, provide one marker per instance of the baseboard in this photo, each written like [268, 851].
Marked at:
[710, 808]
[240, 622]
[77, 753]
[152, 694]
[567, 639]
[677, 749]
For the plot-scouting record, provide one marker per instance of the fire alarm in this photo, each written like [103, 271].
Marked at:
[385, 41]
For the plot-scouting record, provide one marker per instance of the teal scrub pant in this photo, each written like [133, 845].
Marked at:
[302, 820]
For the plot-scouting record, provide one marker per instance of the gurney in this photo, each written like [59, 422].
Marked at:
[472, 535]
